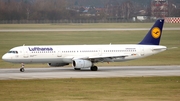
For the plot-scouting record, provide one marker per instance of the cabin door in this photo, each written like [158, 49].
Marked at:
[59, 52]
[25, 52]
[142, 51]
[99, 52]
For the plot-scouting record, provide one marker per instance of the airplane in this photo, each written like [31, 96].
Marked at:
[86, 56]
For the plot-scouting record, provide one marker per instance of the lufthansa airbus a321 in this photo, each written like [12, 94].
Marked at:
[86, 56]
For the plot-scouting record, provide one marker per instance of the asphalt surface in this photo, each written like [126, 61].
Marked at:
[82, 29]
[107, 72]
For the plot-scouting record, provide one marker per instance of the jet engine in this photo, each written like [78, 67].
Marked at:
[78, 64]
[57, 64]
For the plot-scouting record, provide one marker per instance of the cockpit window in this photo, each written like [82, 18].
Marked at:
[14, 52]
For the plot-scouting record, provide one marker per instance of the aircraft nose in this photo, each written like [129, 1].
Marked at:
[5, 57]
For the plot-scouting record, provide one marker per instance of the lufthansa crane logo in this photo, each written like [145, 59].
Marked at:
[156, 32]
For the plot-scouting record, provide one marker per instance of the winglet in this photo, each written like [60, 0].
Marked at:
[154, 35]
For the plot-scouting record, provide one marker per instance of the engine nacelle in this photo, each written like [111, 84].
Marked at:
[78, 64]
[57, 64]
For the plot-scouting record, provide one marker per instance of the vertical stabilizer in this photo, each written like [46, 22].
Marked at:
[154, 35]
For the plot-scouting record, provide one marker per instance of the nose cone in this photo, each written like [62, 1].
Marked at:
[5, 57]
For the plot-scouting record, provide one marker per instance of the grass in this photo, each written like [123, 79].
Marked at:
[82, 25]
[95, 89]
[169, 39]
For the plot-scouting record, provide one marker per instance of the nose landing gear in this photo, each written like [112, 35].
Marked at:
[22, 67]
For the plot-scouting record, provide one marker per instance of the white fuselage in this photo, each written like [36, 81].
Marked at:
[67, 53]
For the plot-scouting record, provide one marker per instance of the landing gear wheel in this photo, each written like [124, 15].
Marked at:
[94, 68]
[22, 70]
[22, 67]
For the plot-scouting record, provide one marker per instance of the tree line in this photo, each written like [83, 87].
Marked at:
[61, 9]
[34, 10]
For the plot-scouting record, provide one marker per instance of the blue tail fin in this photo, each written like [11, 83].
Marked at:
[154, 35]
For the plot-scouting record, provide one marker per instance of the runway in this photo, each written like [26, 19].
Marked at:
[107, 72]
[80, 29]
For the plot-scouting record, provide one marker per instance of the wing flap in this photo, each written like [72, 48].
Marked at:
[109, 56]
[101, 57]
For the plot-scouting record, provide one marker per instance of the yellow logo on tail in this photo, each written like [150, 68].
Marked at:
[156, 32]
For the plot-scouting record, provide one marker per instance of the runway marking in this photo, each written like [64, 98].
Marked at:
[104, 72]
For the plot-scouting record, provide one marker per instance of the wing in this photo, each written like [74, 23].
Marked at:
[103, 58]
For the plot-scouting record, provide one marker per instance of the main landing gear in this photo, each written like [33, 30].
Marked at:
[94, 68]
[22, 67]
